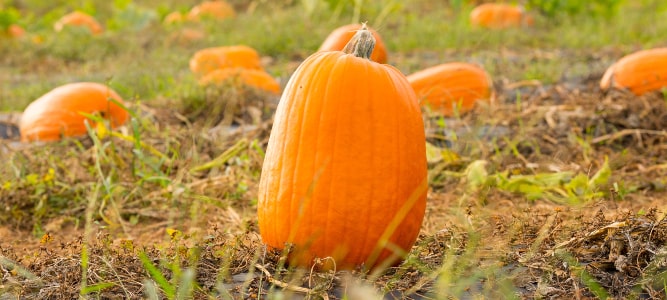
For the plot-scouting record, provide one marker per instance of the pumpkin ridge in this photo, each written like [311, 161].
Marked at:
[340, 66]
[320, 74]
[369, 212]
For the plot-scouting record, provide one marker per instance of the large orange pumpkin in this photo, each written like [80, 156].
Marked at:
[451, 87]
[338, 38]
[345, 168]
[640, 72]
[57, 113]
[211, 9]
[499, 16]
[209, 59]
[79, 19]
[240, 76]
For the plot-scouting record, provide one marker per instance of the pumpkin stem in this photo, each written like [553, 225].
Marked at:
[361, 44]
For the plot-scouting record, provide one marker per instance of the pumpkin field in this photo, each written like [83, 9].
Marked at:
[333, 149]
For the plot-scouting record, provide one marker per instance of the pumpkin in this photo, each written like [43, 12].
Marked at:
[499, 16]
[174, 18]
[15, 31]
[338, 38]
[239, 76]
[344, 174]
[640, 72]
[451, 87]
[57, 113]
[211, 9]
[78, 19]
[209, 59]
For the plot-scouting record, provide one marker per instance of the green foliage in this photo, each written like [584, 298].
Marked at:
[562, 8]
[154, 272]
[562, 187]
[8, 16]
[130, 16]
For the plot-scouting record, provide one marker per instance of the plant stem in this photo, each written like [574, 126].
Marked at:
[361, 44]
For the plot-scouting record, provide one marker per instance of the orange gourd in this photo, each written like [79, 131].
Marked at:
[78, 19]
[640, 72]
[451, 87]
[239, 76]
[15, 31]
[338, 38]
[344, 174]
[209, 59]
[57, 113]
[211, 9]
[174, 18]
[499, 16]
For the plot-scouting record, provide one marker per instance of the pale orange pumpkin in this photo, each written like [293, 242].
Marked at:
[58, 113]
[338, 38]
[79, 19]
[344, 174]
[211, 9]
[15, 31]
[209, 59]
[640, 72]
[499, 16]
[174, 18]
[239, 76]
[451, 87]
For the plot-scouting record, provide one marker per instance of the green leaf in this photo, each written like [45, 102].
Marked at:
[601, 177]
[476, 173]
[153, 271]
[96, 287]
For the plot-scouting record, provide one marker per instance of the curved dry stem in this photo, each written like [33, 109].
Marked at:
[361, 44]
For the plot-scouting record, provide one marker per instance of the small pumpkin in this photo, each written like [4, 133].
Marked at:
[640, 72]
[174, 17]
[57, 113]
[211, 9]
[209, 59]
[79, 19]
[499, 16]
[15, 31]
[451, 87]
[344, 174]
[239, 76]
[338, 38]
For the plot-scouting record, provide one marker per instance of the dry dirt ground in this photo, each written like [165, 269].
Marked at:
[487, 241]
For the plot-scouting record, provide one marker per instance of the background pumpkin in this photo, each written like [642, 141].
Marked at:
[79, 19]
[451, 86]
[345, 169]
[174, 17]
[338, 38]
[58, 112]
[15, 31]
[239, 76]
[640, 72]
[499, 16]
[211, 9]
[209, 59]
